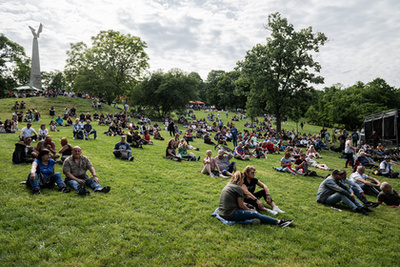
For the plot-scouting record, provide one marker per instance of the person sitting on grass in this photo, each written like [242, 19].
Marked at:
[209, 166]
[222, 159]
[66, 150]
[312, 152]
[332, 190]
[363, 159]
[44, 165]
[75, 168]
[157, 135]
[59, 121]
[28, 131]
[137, 140]
[182, 152]
[286, 164]
[170, 152]
[88, 130]
[207, 139]
[122, 150]
[23, 151]
[48, 144]
[251, 197]
[77, 130]
[361, 179]
[43, 132]
[232, 207]
[146, 137]
[389, 196]
[238, 153]
[301, 166]
[258, 152]
[53, 126]
[385, 168]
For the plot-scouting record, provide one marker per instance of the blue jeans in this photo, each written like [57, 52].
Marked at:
[247, 215]
[89, 182]
[93, 132]
[234, 140]
[230, 168]
[372, 189]
[335, 198]
[54, 178]
[358, 195]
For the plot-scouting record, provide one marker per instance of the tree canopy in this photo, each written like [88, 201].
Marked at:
[111, 67]
[282, 69]
[348, 106]
[14, 65]
[166, 92]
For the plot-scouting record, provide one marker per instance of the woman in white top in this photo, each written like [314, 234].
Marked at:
[43, 132]
[348, 151]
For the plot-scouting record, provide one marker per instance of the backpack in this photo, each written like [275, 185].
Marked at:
[19, 153]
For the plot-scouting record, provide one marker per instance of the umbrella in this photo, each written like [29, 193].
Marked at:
[27, 88]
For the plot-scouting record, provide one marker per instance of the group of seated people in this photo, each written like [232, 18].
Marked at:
[177, 150]
[334, 190]
[9, 126]
[240, 203]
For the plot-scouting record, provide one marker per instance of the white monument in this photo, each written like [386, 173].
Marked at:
[36, 78]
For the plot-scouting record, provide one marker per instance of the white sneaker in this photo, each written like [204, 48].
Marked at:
[273, 212]
[278, 209]
[212, 175]
[73, 138]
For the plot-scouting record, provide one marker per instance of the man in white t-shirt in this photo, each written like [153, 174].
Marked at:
[360, 178]
[28, 131]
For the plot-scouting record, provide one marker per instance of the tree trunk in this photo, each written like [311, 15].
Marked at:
[278, 120]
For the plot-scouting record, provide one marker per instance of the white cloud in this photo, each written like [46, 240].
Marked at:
[203, 35]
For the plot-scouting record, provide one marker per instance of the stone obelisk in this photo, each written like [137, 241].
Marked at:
[36, 78]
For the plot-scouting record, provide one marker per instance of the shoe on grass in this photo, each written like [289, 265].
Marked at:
[105, 190]
[36, 191]
[64, 189]
[255, 221]
[362, 211]
[273, 212]
[285, 223]
[367, 209]
[82, 190]
[277, 209]
[130, 158]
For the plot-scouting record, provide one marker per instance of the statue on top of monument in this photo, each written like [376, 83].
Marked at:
[36, 35]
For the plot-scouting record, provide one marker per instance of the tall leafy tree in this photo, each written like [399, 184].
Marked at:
[282, 68]
[111, 67]
[166, 92]
[14, 65]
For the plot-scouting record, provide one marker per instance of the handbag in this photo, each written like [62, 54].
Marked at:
[124, 155]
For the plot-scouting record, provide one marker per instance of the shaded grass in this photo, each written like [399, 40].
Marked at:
[158, 213]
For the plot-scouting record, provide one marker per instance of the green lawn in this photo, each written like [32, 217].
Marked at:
[158, 212]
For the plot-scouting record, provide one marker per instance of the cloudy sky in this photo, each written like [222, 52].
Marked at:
[204, 35]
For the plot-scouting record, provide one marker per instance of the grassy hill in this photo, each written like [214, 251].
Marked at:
[158, 212]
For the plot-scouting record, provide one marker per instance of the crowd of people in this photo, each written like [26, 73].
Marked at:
[239, 201]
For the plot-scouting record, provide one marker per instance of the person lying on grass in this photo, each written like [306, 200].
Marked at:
[44, 165]
[232, 206]
[389, 196]
[209, 166]
[75, 168]
[332, 190]
[249, 186]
